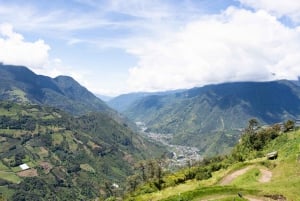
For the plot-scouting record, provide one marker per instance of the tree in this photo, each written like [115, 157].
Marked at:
[142, 167]
[132, 182]
[289, 125]
[252, 126]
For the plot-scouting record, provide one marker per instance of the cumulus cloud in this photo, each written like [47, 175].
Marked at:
[290, 8]
[15, 50]
[236, 45]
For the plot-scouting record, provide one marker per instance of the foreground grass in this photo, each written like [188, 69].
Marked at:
[216, 191]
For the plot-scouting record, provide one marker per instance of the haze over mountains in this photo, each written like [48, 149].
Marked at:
[122, 102]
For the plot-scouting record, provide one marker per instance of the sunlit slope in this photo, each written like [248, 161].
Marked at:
[258, 179]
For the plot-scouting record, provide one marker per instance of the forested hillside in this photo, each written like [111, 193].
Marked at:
[69, 158]
[212, 117]
[21, 85]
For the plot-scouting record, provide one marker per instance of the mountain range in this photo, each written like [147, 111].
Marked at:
[211, 117]
[78, 148]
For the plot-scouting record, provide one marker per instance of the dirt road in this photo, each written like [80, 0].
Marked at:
[266, 176]
[229, 178]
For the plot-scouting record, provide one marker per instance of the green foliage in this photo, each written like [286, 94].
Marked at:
[253, 141]
[203, 174]
[71, 158]
[157, 180]
[148, 176]
[289, 125]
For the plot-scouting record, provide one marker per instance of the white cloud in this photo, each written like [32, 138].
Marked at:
[290, 8]
[15, 50]
[236, 45]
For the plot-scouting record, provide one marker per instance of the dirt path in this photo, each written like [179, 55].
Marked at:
[266, 176]
[229, 178]
[254, 198]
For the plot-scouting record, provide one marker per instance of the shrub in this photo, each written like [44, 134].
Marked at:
[203, 173]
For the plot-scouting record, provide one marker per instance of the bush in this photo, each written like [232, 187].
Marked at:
[203, 174]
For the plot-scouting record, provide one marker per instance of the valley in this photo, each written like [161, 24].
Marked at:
[179, 156]
[212, 117]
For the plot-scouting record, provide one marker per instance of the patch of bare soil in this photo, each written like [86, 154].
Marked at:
[46, 166]
[276, 197]
[266, 176]
[229, 178]
[28, 173]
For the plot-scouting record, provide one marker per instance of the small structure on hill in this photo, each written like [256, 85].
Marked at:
[272, 155]
[24, 166]
[114, 185]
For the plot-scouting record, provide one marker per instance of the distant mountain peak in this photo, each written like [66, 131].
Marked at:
[63, 91]
[65, 78]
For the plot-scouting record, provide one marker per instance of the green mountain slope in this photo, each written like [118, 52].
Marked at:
[21, 85]
[225, 179]
[212, 117]
[70, 158]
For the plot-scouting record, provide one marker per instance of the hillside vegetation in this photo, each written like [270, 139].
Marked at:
[211, 117]
[69, 158]
[19, 84]
[245, 174]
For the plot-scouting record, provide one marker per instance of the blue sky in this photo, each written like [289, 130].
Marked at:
[120, 46]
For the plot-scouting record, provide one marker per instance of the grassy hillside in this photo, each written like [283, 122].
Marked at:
[254, 179]
[69, 158]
